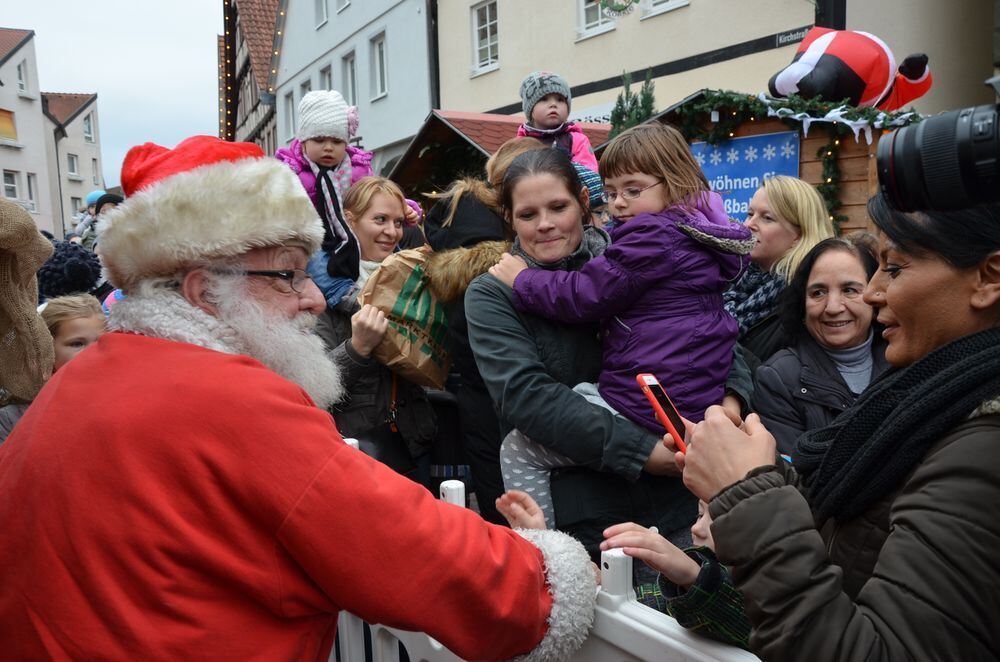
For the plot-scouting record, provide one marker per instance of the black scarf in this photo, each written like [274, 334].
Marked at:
[345, 255]
[870, 448]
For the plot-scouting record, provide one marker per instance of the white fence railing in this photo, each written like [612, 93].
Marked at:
[624, 630]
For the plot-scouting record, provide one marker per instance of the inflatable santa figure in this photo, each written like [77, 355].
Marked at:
[844, 64]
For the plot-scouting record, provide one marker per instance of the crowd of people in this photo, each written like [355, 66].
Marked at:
[177, 382]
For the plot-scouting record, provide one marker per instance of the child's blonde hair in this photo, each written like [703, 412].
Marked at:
[359, 198]
[496, 167]
[660, 151]
[61, 309]
[799, 203]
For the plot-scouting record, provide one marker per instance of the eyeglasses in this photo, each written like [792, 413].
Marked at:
[630, 193]
[296, 278]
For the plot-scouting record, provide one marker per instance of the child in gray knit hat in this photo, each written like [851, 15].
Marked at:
[546, 99]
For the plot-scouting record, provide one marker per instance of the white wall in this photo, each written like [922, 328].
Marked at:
[78, 186]
[386, 123]
[28, 153]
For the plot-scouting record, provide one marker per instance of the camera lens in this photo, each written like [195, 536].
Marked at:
[949, 161]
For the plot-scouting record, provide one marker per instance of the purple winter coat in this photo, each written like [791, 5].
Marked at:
[657, 290]
[292, 156]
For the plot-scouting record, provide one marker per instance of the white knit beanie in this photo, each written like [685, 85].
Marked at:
[323, 114]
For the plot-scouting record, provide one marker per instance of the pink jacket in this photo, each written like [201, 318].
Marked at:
[292, 156]
[581, 152]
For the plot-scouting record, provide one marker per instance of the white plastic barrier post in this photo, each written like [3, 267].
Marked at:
[353, 443]
[453, 491]
[627, 630]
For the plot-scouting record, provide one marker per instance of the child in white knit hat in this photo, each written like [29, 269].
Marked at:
[328, 166]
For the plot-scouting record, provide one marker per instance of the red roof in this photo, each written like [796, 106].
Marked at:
[488, 131]
[11, 39]
[257, 23]
[64, 107]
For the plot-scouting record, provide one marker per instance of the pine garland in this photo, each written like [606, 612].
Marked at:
[736, 108]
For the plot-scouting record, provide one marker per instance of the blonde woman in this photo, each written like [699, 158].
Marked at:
[787, 217]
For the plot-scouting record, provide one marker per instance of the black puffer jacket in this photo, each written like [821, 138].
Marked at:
[368, 385]
[800, 389]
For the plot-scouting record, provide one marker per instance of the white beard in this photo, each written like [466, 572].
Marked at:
[287, 346]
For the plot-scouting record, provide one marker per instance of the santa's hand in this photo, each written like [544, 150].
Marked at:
[520, 510]
[368, 326]
[507, 269]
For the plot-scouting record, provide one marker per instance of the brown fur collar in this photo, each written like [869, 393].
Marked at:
[450, 272]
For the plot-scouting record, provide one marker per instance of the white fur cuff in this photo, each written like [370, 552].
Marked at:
[570, 576]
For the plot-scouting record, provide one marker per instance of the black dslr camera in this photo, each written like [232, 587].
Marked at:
[949, 161]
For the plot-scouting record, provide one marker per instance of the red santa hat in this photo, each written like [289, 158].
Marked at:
[205, 199]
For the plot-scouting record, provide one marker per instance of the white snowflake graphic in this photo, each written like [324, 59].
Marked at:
[701, 158]
[787, 150]
[750, 153]
[716, 157]
[769, 152]
[733, 155]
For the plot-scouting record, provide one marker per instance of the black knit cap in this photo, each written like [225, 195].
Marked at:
[72, 269]
[105, 199]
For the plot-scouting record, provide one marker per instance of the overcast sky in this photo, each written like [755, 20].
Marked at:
[152, 64]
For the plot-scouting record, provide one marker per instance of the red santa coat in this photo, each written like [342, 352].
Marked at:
[161, 500]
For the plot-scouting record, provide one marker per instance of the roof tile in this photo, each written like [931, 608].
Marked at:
[489, 131]
[63, 106]
[257, 22]
[11, 38]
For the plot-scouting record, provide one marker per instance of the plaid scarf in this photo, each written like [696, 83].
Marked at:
[870, 448]
[753, 297]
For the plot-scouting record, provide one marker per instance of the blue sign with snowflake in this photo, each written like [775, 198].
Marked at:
[735, 169]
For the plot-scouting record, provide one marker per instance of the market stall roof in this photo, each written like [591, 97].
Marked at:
[452, 143]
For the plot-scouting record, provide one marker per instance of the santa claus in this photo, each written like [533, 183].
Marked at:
[176, 492]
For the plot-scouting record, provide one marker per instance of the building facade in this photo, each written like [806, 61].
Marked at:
[74, 145]
[378, 53]
[246, 109]
[24, 158]
[488, 46]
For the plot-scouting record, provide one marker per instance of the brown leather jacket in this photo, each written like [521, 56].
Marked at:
[914, 578]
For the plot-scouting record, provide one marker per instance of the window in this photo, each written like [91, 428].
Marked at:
[656, 7]
[380, 67]
[10, 184]
[321, 16]
[350, 80]
[484, 35]
[76, 204]
[7, 129]
[73, 164]
[290, 115]
[594, 18]
[88, 127]
[342, 4]
[305, 88]
[32, 201]
[326, 78]
[97, 171]
[22, 76]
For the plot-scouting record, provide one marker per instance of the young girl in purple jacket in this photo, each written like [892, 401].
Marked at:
[657, 289]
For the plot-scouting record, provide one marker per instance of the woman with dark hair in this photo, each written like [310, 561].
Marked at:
[885, 548]
[835, 352]
[530, 364]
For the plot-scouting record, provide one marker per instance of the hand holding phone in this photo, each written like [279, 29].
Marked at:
[664, 409]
